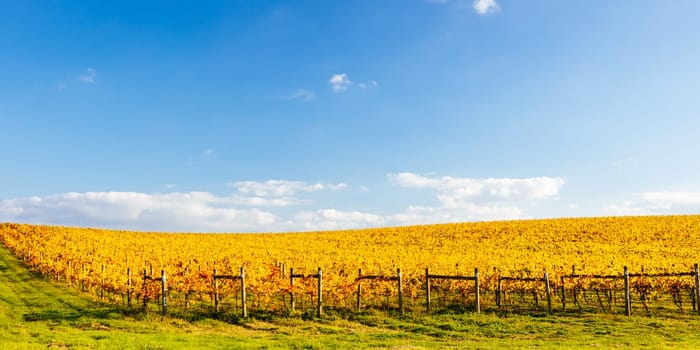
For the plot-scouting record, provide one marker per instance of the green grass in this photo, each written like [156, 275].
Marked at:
[39, 314]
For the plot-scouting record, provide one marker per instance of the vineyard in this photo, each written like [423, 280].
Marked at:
[610, 265]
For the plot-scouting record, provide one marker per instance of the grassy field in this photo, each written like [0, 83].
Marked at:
[39, 314]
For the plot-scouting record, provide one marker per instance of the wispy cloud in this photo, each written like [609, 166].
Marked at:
[339, 82]
[281, 188]
[659, 202]
[483, 7]
[208, 152]
[89, 76]
[301, 95]
[60, 86]
[368, 84]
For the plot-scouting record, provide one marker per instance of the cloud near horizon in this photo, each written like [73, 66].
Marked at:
[659, 202]
[468, 199]
[280, 205]
[176, 211]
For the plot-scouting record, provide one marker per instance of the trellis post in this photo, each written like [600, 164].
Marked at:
[628, 301]
[359, 290]
[549, 293]
[291, 284]
[427, 290]
[697, 288]
[215, 283]
[128, 286]
[319, 303]
[163, 289]
[243, 296]
[476, 291]
[400, 285]
[145, 297]
[102, 282]
[563, 293]
[498, 293]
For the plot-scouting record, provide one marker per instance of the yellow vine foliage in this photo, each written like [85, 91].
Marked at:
[95, 258]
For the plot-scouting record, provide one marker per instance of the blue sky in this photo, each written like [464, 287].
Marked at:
[248, 116]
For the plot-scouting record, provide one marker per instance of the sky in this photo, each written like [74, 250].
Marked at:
[272, 116]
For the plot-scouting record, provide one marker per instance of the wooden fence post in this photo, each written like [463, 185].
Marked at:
[82, 277]
[563, 294]
[359, 290]
[163, 289]
[549, 293]
[398, 271]
[319, 303]
[145, 297]
[476, 290]
[427, 290]
[185, 276]
[628, 301]
[291, 284]
[498, 293]
[215, 284]
[128, 287]
[697, 288]
[243, 296]
[102, 282]
[58, 274]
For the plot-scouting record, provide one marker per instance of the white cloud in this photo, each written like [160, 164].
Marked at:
[467, 199]
[668, 198]
[368, 84]
[483, 7]
[177, 211]
[660, 202]
[208, 152]
[89, 76]
[339, 82]
[453, 189]
[60, 86]
[416, 215]
[267, 202]
[282, 188]
[332, 219]
[301, 95]
[257, 206]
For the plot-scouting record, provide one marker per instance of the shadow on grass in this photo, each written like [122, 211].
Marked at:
[66, 313]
